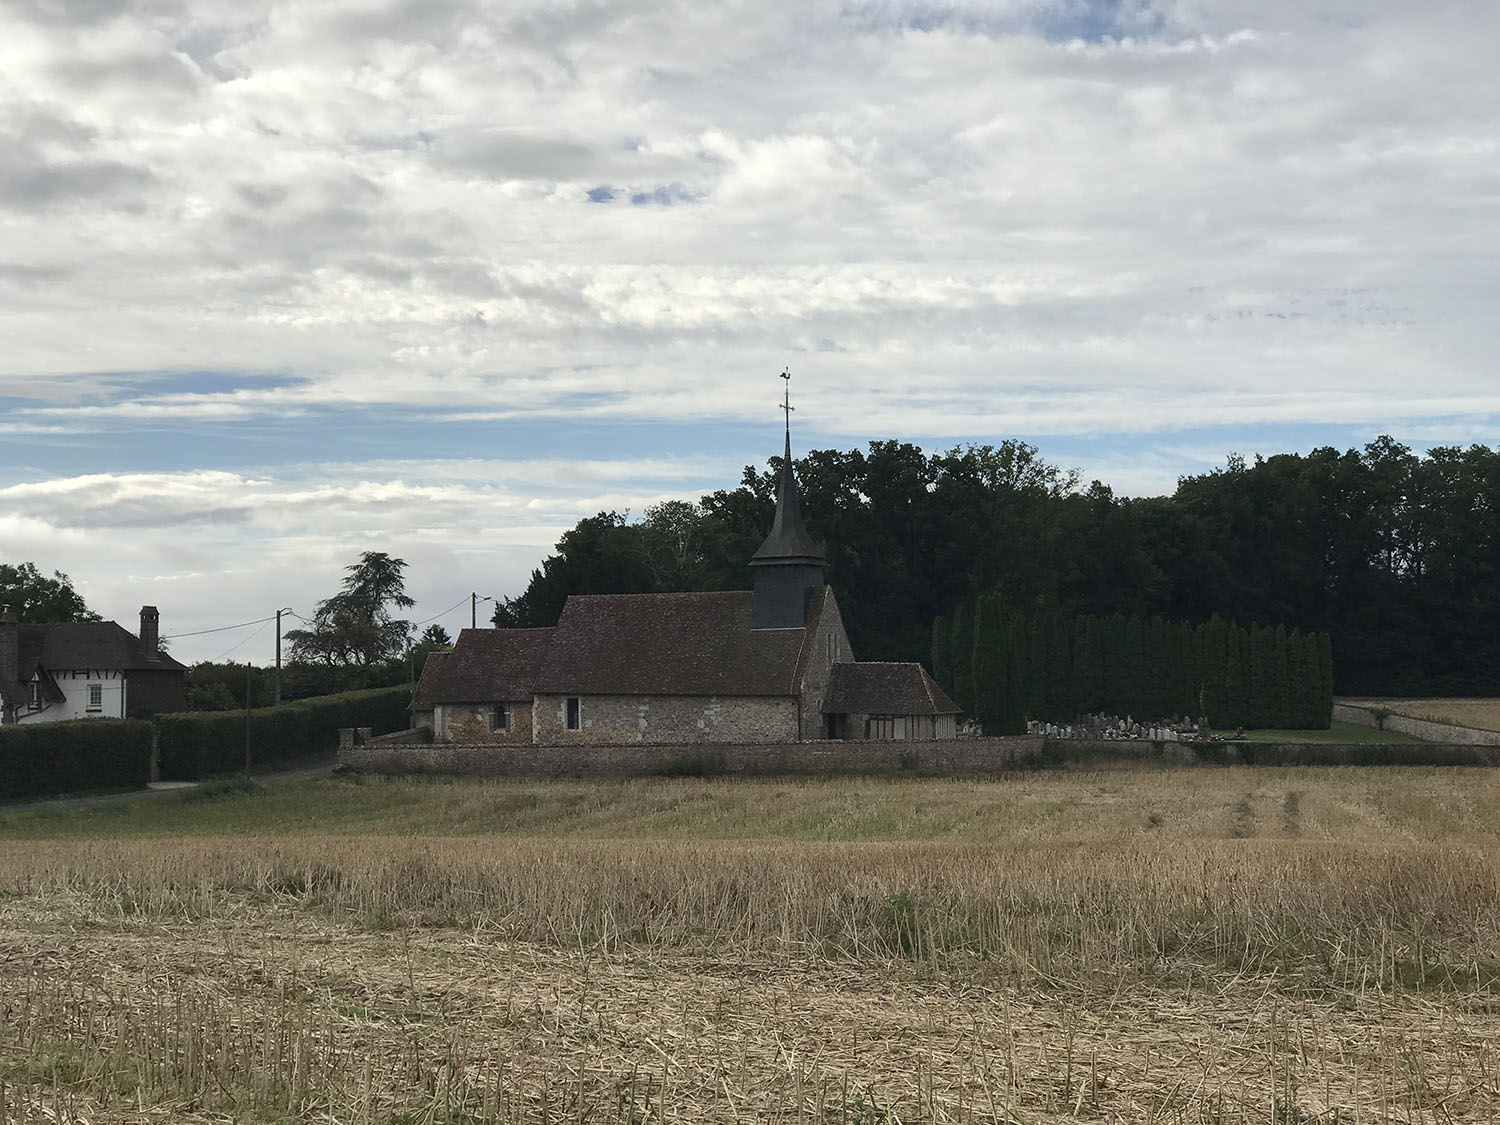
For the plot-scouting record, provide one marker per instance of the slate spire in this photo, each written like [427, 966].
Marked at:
[789, 565]
[789, 539]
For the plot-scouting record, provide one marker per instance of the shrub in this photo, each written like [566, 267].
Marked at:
[42, 759]
[194, 744]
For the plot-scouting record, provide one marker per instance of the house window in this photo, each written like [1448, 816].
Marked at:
[96, 697]
[500, 717]
[575, 713]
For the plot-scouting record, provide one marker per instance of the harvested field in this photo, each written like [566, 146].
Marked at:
[1481, 714]
[1136, 945]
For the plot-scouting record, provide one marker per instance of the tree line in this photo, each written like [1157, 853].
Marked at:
[1392, 553]
[1004, 666]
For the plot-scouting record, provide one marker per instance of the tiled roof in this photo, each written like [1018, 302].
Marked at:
[885, 689]
[485, 666]
[668, 644]
[86, 644]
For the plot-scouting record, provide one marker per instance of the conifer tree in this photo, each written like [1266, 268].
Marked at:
[1063, 694]
[942, 653]
[1116, 665]
[1013, 713]
[1137, 662]
[1280, 679]
[963, 657]
[1325, 681]
[1088, 659]
[1236, 677]
[993, 671]
[1262, 655]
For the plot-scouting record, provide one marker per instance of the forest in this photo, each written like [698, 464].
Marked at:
[1391, 552]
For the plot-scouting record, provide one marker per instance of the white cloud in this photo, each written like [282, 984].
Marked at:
[957, 220]
[211, 547]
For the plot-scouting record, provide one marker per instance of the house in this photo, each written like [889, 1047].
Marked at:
[771, 664]
[85, 670]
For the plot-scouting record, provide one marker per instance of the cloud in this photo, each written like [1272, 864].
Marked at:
[209, 542]
[588, 230]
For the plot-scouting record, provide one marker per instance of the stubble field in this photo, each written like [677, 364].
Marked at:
[1482, 714]
[1133, 945]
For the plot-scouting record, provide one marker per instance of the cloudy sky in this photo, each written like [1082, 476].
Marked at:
[284, 281]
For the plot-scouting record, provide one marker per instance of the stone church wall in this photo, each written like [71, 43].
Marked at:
[617, 719]
[828, 645]
[473, 723]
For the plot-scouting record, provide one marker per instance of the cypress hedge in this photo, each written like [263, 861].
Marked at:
[44, 759]
[1055, 667]
[194, 744]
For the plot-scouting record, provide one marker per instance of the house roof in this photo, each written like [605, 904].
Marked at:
[876, 688]
[485, 666]
[86, 644]
[668, 644]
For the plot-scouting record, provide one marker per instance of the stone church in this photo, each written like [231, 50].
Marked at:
[767, 665]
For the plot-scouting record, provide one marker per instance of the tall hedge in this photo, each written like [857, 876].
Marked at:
[192, 744]
[43, 759]
[1055, 667]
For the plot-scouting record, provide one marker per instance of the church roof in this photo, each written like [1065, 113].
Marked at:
[788, 540]
[668, 644]
[485, 666]
[877, 688]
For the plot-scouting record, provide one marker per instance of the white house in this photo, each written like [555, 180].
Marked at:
[85, 670]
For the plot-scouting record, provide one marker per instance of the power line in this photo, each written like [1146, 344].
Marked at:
[223, 628]
[244, 640]
[445, 613]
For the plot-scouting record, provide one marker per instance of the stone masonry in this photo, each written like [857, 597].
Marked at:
[666, 719]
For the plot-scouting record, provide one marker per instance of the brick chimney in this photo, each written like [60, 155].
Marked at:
[150, 641]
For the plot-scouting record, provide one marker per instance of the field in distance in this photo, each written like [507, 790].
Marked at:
[1337, 733]
[1144, 944]
[1482, 714]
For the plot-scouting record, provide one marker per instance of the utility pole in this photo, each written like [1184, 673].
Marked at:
[247, 720]
[474, 600]
[279, 612]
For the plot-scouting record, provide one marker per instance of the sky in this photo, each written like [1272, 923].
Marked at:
[281, 282]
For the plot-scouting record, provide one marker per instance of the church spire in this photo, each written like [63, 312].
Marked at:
[789, 563]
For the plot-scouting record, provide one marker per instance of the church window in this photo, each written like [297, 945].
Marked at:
[575, 713]
[33, 696]
[500, 717]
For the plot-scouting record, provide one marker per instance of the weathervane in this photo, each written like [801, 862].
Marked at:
[786, 402]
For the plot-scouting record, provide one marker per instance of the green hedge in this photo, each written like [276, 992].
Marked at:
[194, 744]
[43, 759]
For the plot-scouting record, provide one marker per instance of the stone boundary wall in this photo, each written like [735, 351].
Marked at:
[1373, 715]
[941, 756]
[417, 736]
